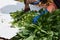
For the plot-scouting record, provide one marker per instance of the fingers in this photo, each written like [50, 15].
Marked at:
[51, 8]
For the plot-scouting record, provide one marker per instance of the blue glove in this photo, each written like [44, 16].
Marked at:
[35, 19]
[37, 2]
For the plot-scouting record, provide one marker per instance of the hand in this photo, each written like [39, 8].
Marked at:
[52, 7]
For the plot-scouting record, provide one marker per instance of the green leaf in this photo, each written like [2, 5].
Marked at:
[30, 38]
[47, 27]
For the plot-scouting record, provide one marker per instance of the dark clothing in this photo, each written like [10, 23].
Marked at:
[57, 2]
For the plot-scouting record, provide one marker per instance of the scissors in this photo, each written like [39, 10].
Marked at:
[37, 2]
[35, 19]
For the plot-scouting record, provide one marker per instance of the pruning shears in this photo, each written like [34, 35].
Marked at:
[37, 2]
[35, 19]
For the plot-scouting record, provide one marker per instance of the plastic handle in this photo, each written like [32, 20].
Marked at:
[37, 2]
[35, 19]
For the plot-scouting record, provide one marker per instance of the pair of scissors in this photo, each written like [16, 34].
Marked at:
[37, 2]
[35, 19]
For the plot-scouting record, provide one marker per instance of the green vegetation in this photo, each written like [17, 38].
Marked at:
[47, 28]
[21, 0]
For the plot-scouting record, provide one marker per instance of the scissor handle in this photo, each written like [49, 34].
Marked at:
[35, 19]
[37, 2]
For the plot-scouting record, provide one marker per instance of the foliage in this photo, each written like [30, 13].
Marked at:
[21, 0]
[47, 27]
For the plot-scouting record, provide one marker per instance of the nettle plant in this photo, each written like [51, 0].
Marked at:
[47, 27]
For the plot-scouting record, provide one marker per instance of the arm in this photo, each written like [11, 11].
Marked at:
[27, 2]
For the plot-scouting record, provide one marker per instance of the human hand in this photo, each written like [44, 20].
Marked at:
[52, 7]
